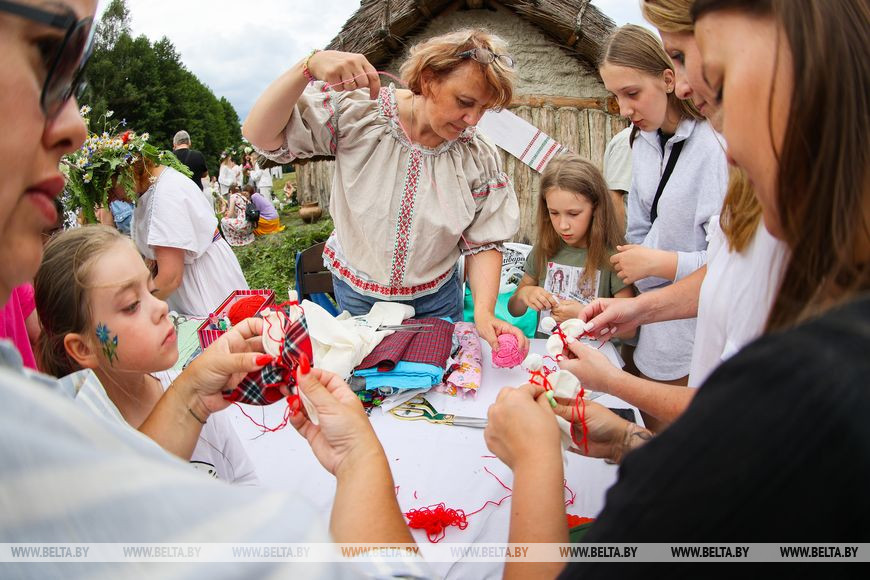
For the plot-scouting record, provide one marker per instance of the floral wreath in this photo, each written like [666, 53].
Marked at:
[103, 157]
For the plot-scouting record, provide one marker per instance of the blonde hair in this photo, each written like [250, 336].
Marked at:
[439, 55]
[579, 176]
[673, 16]
[61, 291]
[637, 48]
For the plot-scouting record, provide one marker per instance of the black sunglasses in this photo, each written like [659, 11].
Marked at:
[64, 78]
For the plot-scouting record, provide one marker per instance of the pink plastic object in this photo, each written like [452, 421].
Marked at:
[509, 354]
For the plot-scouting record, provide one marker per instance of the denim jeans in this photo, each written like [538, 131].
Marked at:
[447, 301]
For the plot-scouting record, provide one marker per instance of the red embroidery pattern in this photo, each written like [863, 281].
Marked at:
[327, 103]
[348, 275]
[403, 223]
[485, 189]
[385, 103]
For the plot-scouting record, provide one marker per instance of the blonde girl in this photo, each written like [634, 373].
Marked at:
[97, 303]
[669, 214]
[577, 234]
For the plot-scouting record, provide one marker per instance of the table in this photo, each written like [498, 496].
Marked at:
[430, 464]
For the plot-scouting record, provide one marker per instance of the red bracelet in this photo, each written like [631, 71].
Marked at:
[306, 72]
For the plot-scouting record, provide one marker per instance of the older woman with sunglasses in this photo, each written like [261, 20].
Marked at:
[415, 187]
[76, 476]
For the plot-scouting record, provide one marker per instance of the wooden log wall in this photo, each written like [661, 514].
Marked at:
[584, 131]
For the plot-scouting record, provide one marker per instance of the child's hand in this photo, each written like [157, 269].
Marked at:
[222, 366]
[567, 309]
[537, 298]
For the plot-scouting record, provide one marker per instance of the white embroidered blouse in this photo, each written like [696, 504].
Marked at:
[403, 213]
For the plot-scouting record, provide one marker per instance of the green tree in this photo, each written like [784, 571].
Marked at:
[147, 86]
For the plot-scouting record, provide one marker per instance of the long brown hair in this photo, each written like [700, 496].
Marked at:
[579, 176]
[823, 177]
[636, 47]
[61, 291]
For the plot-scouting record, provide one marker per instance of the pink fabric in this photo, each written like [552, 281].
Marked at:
[464, 376]
[12, 317]
[509, 354]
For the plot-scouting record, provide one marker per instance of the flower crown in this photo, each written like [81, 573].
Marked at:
[91, 169]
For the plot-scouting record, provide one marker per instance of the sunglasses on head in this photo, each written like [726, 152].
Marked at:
[485, 56]
[64, 78]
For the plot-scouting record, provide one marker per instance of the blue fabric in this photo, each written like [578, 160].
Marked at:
[405, 375]
[318, 298]
[445, 303]
[122, 212]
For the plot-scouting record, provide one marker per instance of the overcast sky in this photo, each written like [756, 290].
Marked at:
[238, 47]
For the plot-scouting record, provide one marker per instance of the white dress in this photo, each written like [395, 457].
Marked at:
[219, 451]
[173, 213]
[736, 297]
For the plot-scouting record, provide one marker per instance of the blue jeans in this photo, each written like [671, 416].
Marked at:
[447, 301]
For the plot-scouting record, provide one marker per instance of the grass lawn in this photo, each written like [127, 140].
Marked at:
[269, 262]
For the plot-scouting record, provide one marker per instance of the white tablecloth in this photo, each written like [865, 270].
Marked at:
[430, 464]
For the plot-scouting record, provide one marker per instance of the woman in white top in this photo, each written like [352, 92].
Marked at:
[176, 227]
[229, 174]
[667, 224]
[415, 187]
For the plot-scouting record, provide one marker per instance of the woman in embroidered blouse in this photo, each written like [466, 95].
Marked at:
[415, 187]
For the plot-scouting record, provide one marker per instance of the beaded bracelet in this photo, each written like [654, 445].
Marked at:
[306, 72]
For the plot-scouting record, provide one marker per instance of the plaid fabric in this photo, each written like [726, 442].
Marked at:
[262, 387]
[431, 348]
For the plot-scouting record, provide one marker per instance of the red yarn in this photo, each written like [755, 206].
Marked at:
[245, 308]
[435, 519]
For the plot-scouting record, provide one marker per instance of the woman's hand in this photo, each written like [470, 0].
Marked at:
[567, 309]
[621, 315]
[608, 436]
[591, 366]
[633, 262]
[521, 425]
[221, 367]
[344, 436]
[489, 327]
[537, 298]
[344, 71]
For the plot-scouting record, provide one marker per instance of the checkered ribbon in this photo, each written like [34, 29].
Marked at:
[262, 387]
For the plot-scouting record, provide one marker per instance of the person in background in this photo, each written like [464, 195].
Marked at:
[269, 222]
[261, 178]
[190, 157]
[237, 230]
[175, 226]
[229, 174]
[617, 173]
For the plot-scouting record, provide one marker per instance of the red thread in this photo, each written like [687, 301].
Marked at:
[292, 408]
[436, 518]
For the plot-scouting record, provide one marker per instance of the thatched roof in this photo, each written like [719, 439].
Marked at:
[379, 28]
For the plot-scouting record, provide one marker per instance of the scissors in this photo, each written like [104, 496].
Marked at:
[419, 408]
[413, 327]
